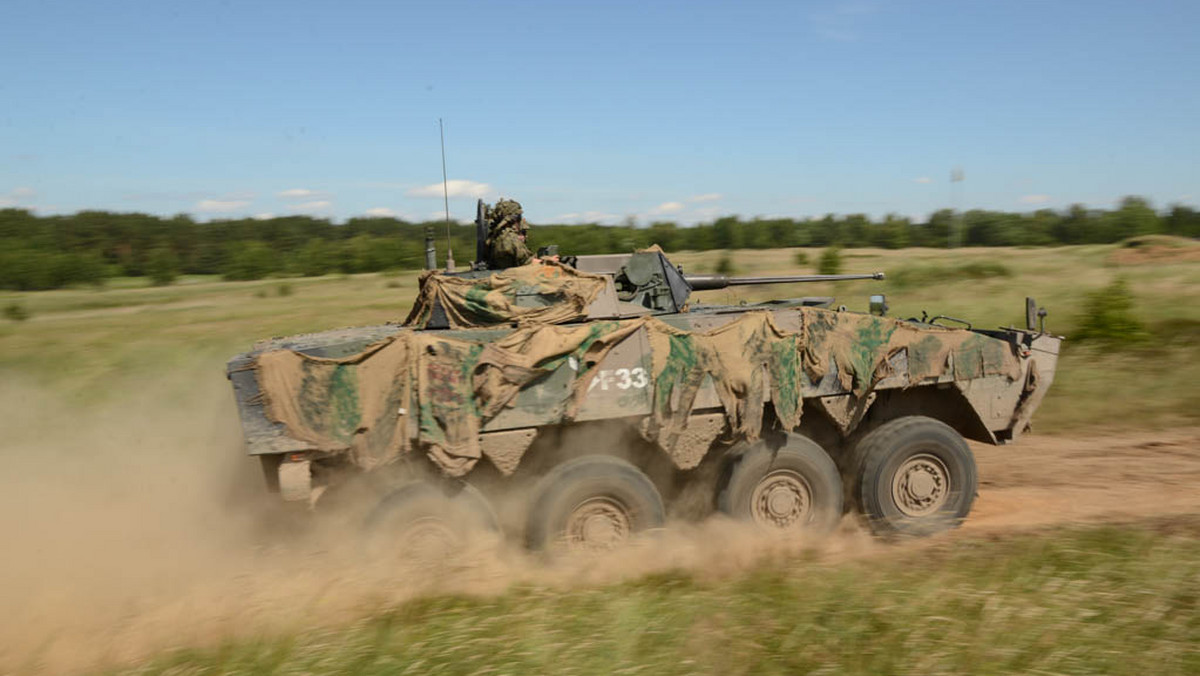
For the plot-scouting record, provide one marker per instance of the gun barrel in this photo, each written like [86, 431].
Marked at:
[709, 282]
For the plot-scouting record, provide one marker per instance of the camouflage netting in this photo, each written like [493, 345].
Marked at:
[861, 347]
[419, 385]
[739, 359]
[546, 292]
[436, 391]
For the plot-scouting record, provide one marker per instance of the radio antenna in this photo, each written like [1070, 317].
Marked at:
[446, 198]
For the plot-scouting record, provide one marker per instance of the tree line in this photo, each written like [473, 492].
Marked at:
[45, 252]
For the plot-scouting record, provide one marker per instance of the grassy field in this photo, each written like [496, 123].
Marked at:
[83, 343]
[1118, 599]
[1091, 601]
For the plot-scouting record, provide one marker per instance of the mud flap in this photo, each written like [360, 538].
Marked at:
[295, 480]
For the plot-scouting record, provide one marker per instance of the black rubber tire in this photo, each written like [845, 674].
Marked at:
[802, 458]
[593, 477]
[883, 452]
[461, 510]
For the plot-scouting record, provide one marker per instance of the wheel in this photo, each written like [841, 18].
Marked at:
[422, 521]
[916, 476]
[595, 502]
[795, 487]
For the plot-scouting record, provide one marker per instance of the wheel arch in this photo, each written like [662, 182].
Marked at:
[945, 404]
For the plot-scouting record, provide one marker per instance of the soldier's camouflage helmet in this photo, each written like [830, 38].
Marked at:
[508, 212]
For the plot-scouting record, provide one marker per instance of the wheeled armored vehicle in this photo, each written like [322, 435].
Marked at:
[580, 404]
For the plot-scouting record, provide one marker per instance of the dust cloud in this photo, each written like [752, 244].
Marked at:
[139, 525]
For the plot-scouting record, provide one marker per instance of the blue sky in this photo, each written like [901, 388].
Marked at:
[597, 111]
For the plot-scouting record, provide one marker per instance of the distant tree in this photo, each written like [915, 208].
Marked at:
[314, 259]
[1183, 221]
[162, 265]
[892, 233]
[1134, 217]
[664, 234]
[1077, 227]
[250, 260]
[937, 231]
[1038, 229]
[727, 233]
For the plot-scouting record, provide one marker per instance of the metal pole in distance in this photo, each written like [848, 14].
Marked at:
[446, 199]
[954, 237]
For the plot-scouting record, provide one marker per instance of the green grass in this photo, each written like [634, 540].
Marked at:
[1099, 600]
[1107, 600]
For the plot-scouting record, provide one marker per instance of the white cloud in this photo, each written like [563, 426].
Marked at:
[296, 193]
[1034, 199]
[455, 188]
[440, 215]
[381, 212]
[586, 217]
[315, 205]
[264, 216]
[706, 197]
[16, 196]
[221, 206]
[923, 179]
[667, 208]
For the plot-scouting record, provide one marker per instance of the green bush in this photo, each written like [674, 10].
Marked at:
[725, 264]
[982, 270]
[16, 312]
[800, 257]
[921, 275]
[1108, 317]
[831, 261]
[283, 289]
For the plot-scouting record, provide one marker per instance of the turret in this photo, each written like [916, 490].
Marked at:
[647, 279]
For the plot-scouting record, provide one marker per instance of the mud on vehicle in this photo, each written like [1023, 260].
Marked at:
[579, 405]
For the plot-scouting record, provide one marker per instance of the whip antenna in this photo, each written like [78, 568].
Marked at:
[446, 198]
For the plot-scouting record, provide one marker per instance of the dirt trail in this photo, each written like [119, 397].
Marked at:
[138, 528]
[1117, 477]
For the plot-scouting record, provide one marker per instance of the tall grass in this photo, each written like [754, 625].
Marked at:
[1098, 600]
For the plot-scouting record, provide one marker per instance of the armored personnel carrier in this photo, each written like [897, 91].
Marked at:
[593, 401]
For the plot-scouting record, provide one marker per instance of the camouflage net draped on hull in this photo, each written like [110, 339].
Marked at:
[547, 293]
[435, 391]
[860, 349]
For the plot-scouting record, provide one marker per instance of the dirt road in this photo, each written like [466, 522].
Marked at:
[1119, 477]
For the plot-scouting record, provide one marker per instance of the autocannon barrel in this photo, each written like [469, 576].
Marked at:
[709, 282]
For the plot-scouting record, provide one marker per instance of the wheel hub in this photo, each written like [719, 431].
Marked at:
[598, 523]
[921, 485]
[783, 499]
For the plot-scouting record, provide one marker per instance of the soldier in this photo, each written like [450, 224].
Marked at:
[507, 229]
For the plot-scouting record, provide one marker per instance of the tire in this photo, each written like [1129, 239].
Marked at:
[793, 488]
[422, 521]
[596, 502]
[916, 477]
